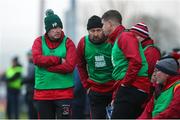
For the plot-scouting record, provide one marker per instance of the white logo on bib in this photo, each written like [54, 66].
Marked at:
[100, 61]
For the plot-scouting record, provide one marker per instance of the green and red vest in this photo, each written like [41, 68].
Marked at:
[120, 62]
[163, 101]
[98, 58]
[44, 79]
[15, 84]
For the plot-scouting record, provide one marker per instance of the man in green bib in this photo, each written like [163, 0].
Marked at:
[129, 68]
[54, 55]
[95, 67]
[165, 103]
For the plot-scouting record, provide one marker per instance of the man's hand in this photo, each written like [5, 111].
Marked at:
[62, 60]
[112, 102]
[87, 91]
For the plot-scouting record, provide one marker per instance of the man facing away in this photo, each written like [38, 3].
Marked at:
[130, 68]
[95, 67]
[54, 55]
[142, 34]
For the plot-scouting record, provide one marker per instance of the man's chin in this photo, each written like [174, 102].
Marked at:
[98, 41]
[57, 37]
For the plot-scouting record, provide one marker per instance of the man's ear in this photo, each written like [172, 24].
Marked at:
[110, 23]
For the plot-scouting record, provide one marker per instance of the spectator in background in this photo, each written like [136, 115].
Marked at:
[29, 82]
[176, 54]
[54, 55]
[13, 78]
[95, 67]
[165, 103]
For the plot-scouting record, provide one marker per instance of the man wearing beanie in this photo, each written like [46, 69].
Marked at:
[130, 68]
[165, 104]
[95, 67]
[54, 55]
[141, 32]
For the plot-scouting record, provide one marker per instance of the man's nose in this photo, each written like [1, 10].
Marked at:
[95, 33]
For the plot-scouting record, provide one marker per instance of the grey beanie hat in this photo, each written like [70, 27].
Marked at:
[168, 65]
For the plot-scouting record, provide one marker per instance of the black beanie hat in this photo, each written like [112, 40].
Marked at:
[168, 65]
[94, 22]
[52, 20]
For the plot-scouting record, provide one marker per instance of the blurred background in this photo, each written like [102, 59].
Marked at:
[23, 20]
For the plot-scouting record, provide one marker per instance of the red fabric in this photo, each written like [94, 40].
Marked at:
[130, 47]
[172, 111]
[102, 88]
[38, 58]
[52, 63]
[53, 94]
[171, 81]
[82, 64]
[149, 52]
[70, 62]
[112, 37]
[176, 55]
[88, 83]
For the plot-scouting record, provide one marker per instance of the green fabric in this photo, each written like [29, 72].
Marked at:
[15, 84]
[98, 59]
[144, 49]
[120, 62]
[51, 80]
[163, 101]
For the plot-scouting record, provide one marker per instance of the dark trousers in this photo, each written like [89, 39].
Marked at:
[128, 103]
[80, 107]
[98, 104]
[32, 113]
[53, 109]
[12, 103]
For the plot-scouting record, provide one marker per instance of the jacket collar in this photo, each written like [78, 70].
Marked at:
[147, 42]
[170, 81]
[115, 33]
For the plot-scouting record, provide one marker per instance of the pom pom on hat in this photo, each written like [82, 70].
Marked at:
[49, 12]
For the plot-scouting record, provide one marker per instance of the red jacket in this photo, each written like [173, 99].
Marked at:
[149, 52]
[131, 52]
[173, 110]
[88, 83]
[53, 64]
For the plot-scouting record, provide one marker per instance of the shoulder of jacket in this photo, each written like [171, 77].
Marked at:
[177, 86]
